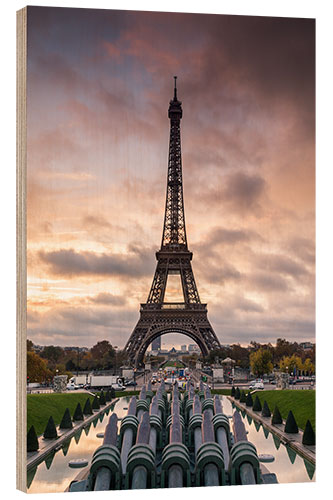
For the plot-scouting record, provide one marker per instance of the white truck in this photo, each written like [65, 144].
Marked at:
[79, 380]
[106, 381]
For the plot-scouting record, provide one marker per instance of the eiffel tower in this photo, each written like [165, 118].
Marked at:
[156, 316]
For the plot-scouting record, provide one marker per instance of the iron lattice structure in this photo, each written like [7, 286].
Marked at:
[156, 316]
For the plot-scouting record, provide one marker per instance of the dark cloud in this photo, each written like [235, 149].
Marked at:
[243, 191]
[71, 263]
[220, 235]
[247, 305]
[267, 282]
[230, 331]
[240, 193]
[304, 249]
[93, 221]
[218, 274]
[281, 264]
[83, 326]
[107, 299]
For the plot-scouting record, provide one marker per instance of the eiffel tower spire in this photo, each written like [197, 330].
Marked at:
[174, 232]
[158, 317]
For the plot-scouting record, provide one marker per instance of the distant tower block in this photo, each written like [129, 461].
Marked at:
[156, 344]
[158, 317]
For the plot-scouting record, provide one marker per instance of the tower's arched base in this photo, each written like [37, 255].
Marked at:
[156, 320]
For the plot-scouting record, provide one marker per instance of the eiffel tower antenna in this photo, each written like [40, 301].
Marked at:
[158, 317]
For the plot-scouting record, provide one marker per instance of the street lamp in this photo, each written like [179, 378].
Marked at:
[115, 348]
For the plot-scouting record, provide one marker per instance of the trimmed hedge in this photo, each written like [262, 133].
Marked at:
[291, 426]
[102, 400]
[78, 415]
[95, 403]
[266, 412]
[50, 430]
[87, 410]
[276, 418]
[32, 440]
[66, 422]
[249, 400]
[309, 437]
[257, 405]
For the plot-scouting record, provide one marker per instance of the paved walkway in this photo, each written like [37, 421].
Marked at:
[47, 445]
[292, 440]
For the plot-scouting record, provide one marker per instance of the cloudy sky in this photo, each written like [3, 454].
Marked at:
[99, 85]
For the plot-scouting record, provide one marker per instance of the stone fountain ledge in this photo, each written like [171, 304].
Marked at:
[292, 440]
[48, 445]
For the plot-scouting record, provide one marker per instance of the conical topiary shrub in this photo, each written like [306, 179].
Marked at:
[242, 397]
[32, 440]
[249, 400]
[237, 393]
[50, 430]
[78, 414]
[102, 398]
[233, 390]
[309, 437]
[257, 405]
[266, 412]
[291, 426]
[87, 410]
[95, 403]
[66, 422]
[112, 393]
[276, 418]
[107, 396]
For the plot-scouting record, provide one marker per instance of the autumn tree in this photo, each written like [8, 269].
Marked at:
[289, 364]
[37, 370]
[53, 354]
[240, 355]
[282, 348]
[308, 366]
[261, 361]
[103, 353]
[29, 345]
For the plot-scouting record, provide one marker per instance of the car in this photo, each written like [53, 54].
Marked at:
[273, 382]
[72, 387]
[131, 383]
[256, 385]
[266, 381]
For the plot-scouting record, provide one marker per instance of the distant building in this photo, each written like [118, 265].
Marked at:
[306, 345]
[76, 349]
[156, 344]
[183, 348]
[193, 348]
[37, 348]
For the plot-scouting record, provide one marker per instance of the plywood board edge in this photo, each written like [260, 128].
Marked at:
[21, 246]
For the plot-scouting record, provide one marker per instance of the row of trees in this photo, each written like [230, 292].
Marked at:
[54, 360]
[261, 363]
[269, 355]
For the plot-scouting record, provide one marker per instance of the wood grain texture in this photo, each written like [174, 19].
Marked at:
[21, 246]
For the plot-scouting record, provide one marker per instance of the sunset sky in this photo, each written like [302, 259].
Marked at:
[99, 85]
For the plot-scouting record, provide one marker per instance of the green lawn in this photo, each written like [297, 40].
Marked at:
[173, 364]
[41, 406]
[301, 403]
[224, 392]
